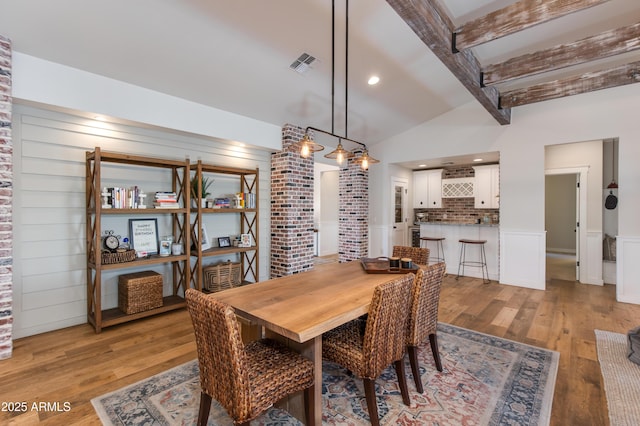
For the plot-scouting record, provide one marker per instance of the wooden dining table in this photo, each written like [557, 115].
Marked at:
[300, 307]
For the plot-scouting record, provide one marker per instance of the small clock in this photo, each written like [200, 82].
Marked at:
[110, 241]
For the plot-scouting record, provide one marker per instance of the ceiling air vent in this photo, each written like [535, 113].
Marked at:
[302, 64]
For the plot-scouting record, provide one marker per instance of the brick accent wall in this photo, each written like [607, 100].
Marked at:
[291, 207]
[6, 197]
[353, 214]
[460, 210]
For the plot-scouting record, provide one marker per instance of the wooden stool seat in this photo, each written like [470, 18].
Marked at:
[482, 263]
[439, 257]
[465, 241]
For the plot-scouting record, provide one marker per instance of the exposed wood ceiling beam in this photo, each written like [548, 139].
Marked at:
[606, 44]
[514, 18]
[434, 28]
[574, 85]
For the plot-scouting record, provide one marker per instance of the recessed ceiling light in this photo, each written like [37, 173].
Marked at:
[422, 165]
[374, 79]
[476, 160]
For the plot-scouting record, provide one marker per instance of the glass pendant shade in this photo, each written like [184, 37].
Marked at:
[340, 154]
[308, 146]
[365, 160]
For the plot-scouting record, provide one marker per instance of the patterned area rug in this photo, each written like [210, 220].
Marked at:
[486, 381]
[621, 378]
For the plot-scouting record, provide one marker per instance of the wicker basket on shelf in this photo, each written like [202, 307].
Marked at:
[221, 276]
[139, 292]
[109, 258]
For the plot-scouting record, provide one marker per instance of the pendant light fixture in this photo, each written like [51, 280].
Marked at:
[308, 146]
[340, 153]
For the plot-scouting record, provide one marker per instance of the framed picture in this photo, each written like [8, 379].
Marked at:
[144, 235]
[245, 240]
[205, 242]
[165, 247]
[224, 242]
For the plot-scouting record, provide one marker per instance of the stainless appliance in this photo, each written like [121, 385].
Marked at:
[415, 236]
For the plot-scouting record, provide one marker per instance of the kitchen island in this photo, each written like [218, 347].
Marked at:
[452, 232]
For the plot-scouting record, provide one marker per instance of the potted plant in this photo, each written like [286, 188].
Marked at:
[204, 185]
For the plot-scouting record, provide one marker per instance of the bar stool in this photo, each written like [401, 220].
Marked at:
[439, 257]
[482, 263]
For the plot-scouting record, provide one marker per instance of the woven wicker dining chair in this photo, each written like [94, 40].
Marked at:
[245, 379]
[423, 321]
[418, 255]
[382, 343]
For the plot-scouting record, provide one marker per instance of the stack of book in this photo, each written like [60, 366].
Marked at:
[166, 200]
[245, 200]
[122, 198]
[221, 203]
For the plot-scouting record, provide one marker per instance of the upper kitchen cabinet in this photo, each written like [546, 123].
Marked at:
[427, 189]
[487, 186]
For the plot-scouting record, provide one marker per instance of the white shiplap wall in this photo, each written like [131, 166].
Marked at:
[49, 206]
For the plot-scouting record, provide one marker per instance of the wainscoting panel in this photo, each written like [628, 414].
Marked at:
[628, 269]
[379, 236]
[522, 258]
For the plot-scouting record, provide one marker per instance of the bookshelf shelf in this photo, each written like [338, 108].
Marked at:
[98, 317]
[247, 217]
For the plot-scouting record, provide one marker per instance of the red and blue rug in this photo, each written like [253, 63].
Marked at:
[486, 381]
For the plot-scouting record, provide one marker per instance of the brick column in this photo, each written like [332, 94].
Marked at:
[6, 196]
[291, 207]
[353, 214]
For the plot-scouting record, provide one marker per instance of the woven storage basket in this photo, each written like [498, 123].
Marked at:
[221, 276]
[139, 291]
[118, 257]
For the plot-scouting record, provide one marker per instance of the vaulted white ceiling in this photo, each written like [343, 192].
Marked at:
[235, 55]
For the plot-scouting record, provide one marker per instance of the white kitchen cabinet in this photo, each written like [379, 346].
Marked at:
[487, 186]
[427, 189]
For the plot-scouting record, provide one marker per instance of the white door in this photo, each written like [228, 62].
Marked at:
[399, 214]
[578, 224]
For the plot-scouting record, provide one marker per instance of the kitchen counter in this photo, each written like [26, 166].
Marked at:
[454, 231]
[459, 223]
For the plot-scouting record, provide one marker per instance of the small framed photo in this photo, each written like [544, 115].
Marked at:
[144, 235]
[165, 247]
[224, 242]
[245, 240]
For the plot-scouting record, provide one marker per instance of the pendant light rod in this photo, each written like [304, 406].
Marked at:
[333, 66]
[346, 70]
[344, 138]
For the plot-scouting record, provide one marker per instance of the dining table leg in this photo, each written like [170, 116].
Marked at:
[311, 349]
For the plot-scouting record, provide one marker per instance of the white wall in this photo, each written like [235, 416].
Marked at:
[470, 129]
[49, 260]
[48, 83]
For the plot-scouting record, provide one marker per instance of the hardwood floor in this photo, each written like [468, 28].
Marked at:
[74, 365]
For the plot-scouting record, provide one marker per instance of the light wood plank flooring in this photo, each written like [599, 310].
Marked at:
[74, 365]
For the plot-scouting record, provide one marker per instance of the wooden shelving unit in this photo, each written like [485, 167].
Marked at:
[181, 271]
[248, 217]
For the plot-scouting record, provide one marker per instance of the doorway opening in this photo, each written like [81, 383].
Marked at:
[565, 211]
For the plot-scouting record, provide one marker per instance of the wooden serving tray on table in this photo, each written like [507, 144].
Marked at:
[380, 265]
